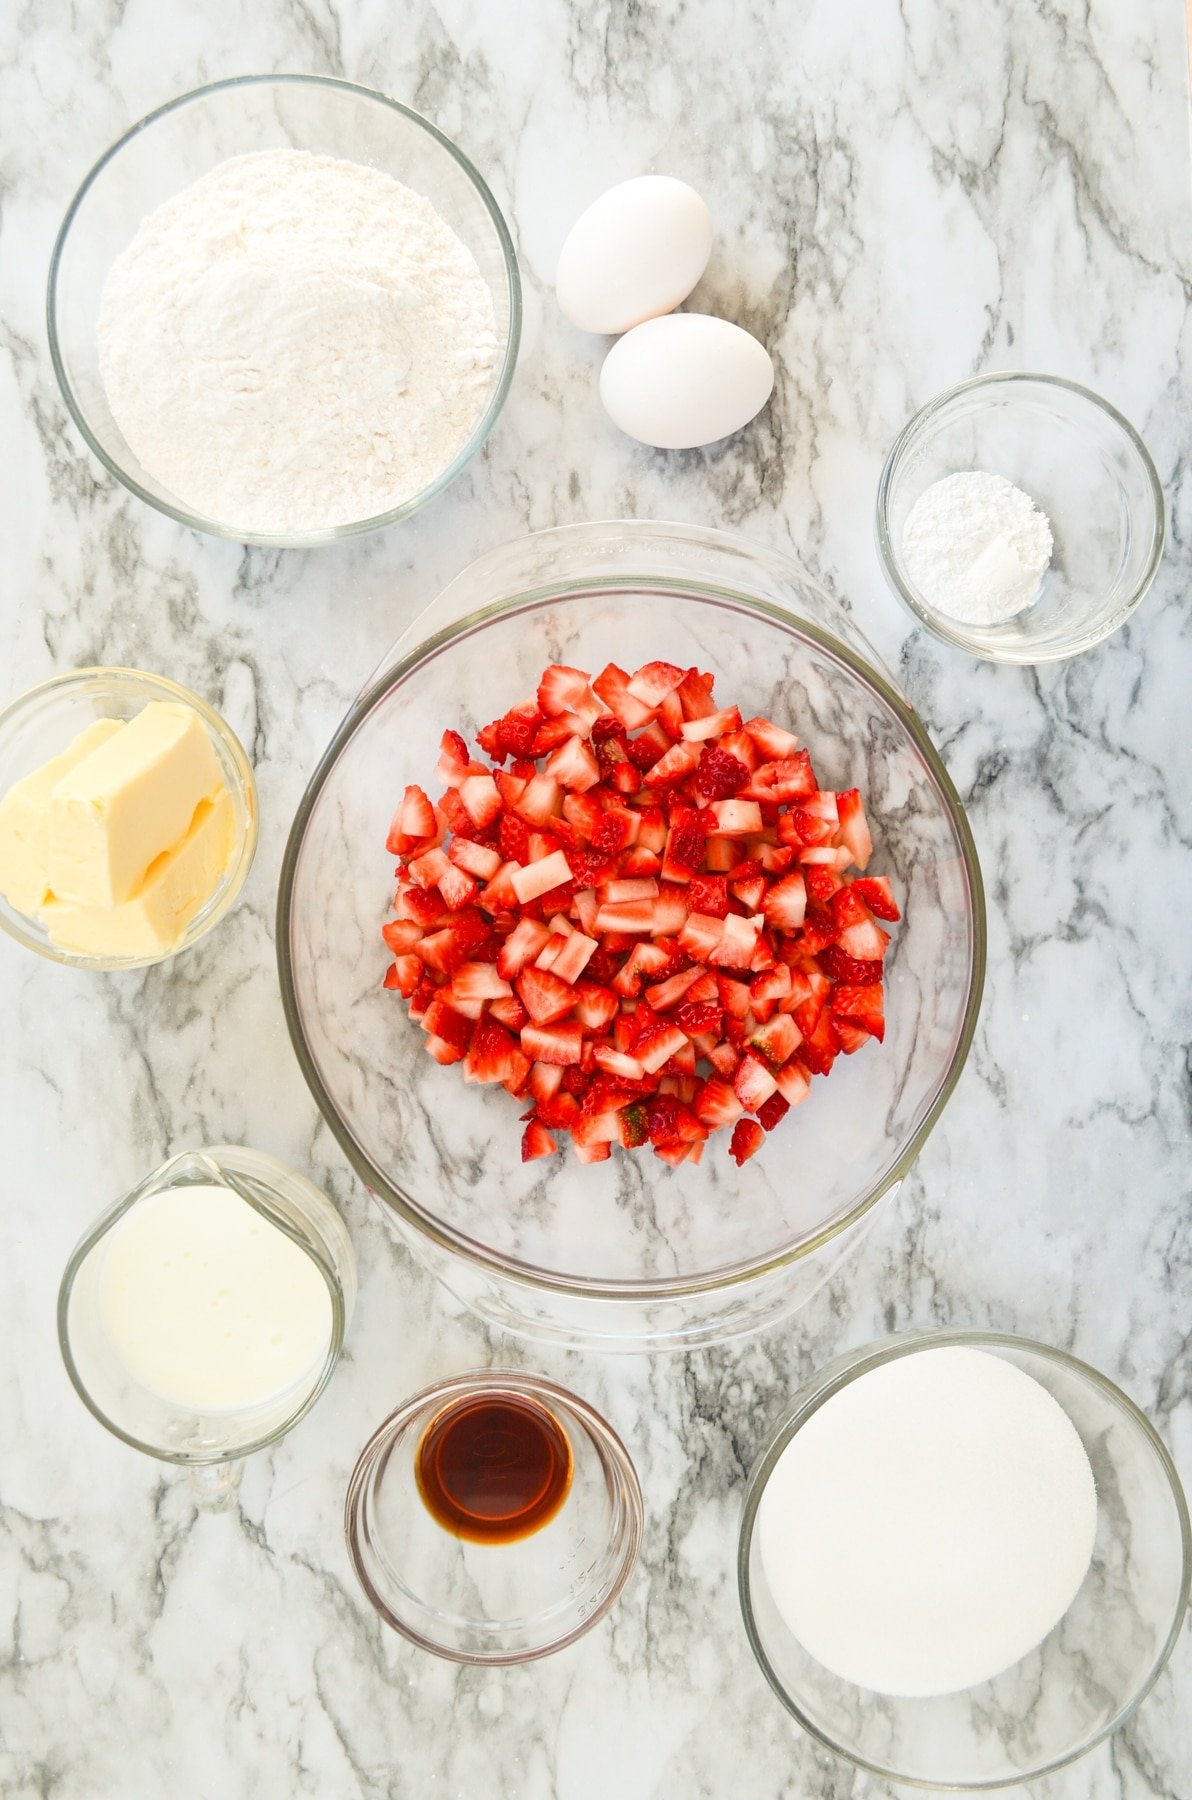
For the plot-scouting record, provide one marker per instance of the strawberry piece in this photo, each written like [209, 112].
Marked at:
[719, 776]
[854, 827]
[738, 941]
[695, 1017]
[540, 877]
[574, 957]
[793, 1083]
[651, 831]
[477, 860]
[617, 1062]
[734, 818]
[404, 974]
[537, 1141]
[413, 824]
[685, 841]
[700, 935]
[675, 766]
[747, 1139]
[716, 1104]
[772, 741]
[753, 1082]
[785, 905]
[494, 1056]
[540, 801]
[664, 994]
[564, 690]
[878, 895]
[789, 778]
[633, 1125]
[698, 731]
[771, 1110]
[842, 967]
[654, 681]
[821, 882]
[612, 686]
[819, 1047]
[481, 798]
[401, 934]
[863, 1005]
[514, 838]
[695, 695]
[521, 947]
[553, 732]
[442, 1021]
[554, 1043]
[454, 762]
[658, 1048]
[867, 942]
[617, 829]
[853, 1036]
[708, 894]
[475, 982]
[544, 996]
[573, 766]
[750, 892]
[777, 1040]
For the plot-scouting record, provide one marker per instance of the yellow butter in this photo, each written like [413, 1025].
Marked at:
[177, 884]
[25, 823]
[127, 802]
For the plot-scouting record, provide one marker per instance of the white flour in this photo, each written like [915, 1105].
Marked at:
[296, 342]
[976, 547]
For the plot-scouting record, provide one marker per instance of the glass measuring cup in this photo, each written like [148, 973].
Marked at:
[211, 1441]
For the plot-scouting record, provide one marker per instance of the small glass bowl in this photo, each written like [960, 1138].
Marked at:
[493, 1602]
[173, 147]
[1088, 1675]
[40, 725]
[212, 1444]
[1081, 462]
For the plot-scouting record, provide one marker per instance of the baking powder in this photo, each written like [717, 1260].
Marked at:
[976, 547]
[296, 342]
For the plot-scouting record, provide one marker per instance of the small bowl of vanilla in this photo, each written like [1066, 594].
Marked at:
[1020, 518]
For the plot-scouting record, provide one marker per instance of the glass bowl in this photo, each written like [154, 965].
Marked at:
[1081, 462]
[1092, 1670]
[214, 1443]
[625, 1254]
[178, 143]
[494, 1602]
[42, 722]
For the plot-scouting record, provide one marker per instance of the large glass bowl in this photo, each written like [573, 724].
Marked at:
[1091, 1671]
[173, 147]
[627, 1253]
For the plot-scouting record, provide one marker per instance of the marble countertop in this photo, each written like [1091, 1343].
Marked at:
[906, 192]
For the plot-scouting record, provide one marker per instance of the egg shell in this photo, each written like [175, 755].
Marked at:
[635, 253]
[686, 380]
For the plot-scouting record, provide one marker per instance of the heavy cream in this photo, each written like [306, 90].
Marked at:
[208, 1304]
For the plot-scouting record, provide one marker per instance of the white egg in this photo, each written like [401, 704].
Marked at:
[685, 380]
[637, 252]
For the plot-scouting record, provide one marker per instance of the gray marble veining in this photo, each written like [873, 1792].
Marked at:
[904, 194]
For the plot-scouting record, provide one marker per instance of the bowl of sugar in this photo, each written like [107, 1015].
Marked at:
[284, 309]
[1020, 518]
[964, 1558]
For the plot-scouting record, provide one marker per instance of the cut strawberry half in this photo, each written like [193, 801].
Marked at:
[413, 824]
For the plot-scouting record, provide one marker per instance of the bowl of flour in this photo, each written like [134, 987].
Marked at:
[284, 310]
[1020, 518]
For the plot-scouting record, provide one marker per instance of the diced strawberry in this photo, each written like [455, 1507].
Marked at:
[665, 994]
[617, 1062]
[718, 775]
[842, 967]
[413, 824]
[819, 1047]
[771, 1110]
[657, 1049]
[854, 827]
[738, 941]
[777, 1039]
[553, 732]
[538, 878]
[612, 686]
[853, 1036]
[564, 690]
[509, 1012]
[475, 982]
[404, 974]
[443, 1051]
[654, 681]
[573, 766]
[544, 996]
[670, 716]
[442, 1021]
[753, 1082]
[867, 942]
[677, 763]
[626, 915]
[747, 1139]
[792, 1080]
[553, 1043]
[670, 910]
[695, 695]
[821, 882]
[494, 1056]
[862, 1004]
[788, 778]
[878, 895]
[474, 859]
[517, 729]
[695, 1017]
[537, 1141]
[574, 957]
[775, 858]
[454, 762]
[698, 731]
[708, 894]
[592, 1153]
[700, 935]
[736, 817]
[769, 988]
[541, 800]
[772, 741]
[651, 832]
[521, 947]
[498, 895]
[750, 892]
[640, 862]
[785, 905]
[401, 934]
[716, 1104]
[685, 841]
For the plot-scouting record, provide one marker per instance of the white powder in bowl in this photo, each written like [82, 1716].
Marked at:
[930, 1524]
[976, 547]
[296, 342]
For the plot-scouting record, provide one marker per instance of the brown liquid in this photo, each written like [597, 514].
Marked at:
[493, 1468]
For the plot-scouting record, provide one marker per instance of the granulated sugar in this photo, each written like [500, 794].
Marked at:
[976, 547]
[296, 342]
[930, 1524]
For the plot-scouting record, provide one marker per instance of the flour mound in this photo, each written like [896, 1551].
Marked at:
[296, 342]
[977, 547]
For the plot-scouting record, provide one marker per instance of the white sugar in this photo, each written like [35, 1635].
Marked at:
[930, 1524]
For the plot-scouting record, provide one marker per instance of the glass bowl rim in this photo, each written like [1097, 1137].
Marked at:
[238, 1180]
[96, 675]
[528, 1386]
[823, 1386]
[387, 1191]
[952, 631]
[183, 515]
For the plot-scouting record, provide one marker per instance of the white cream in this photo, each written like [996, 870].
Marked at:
[209, 1305]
